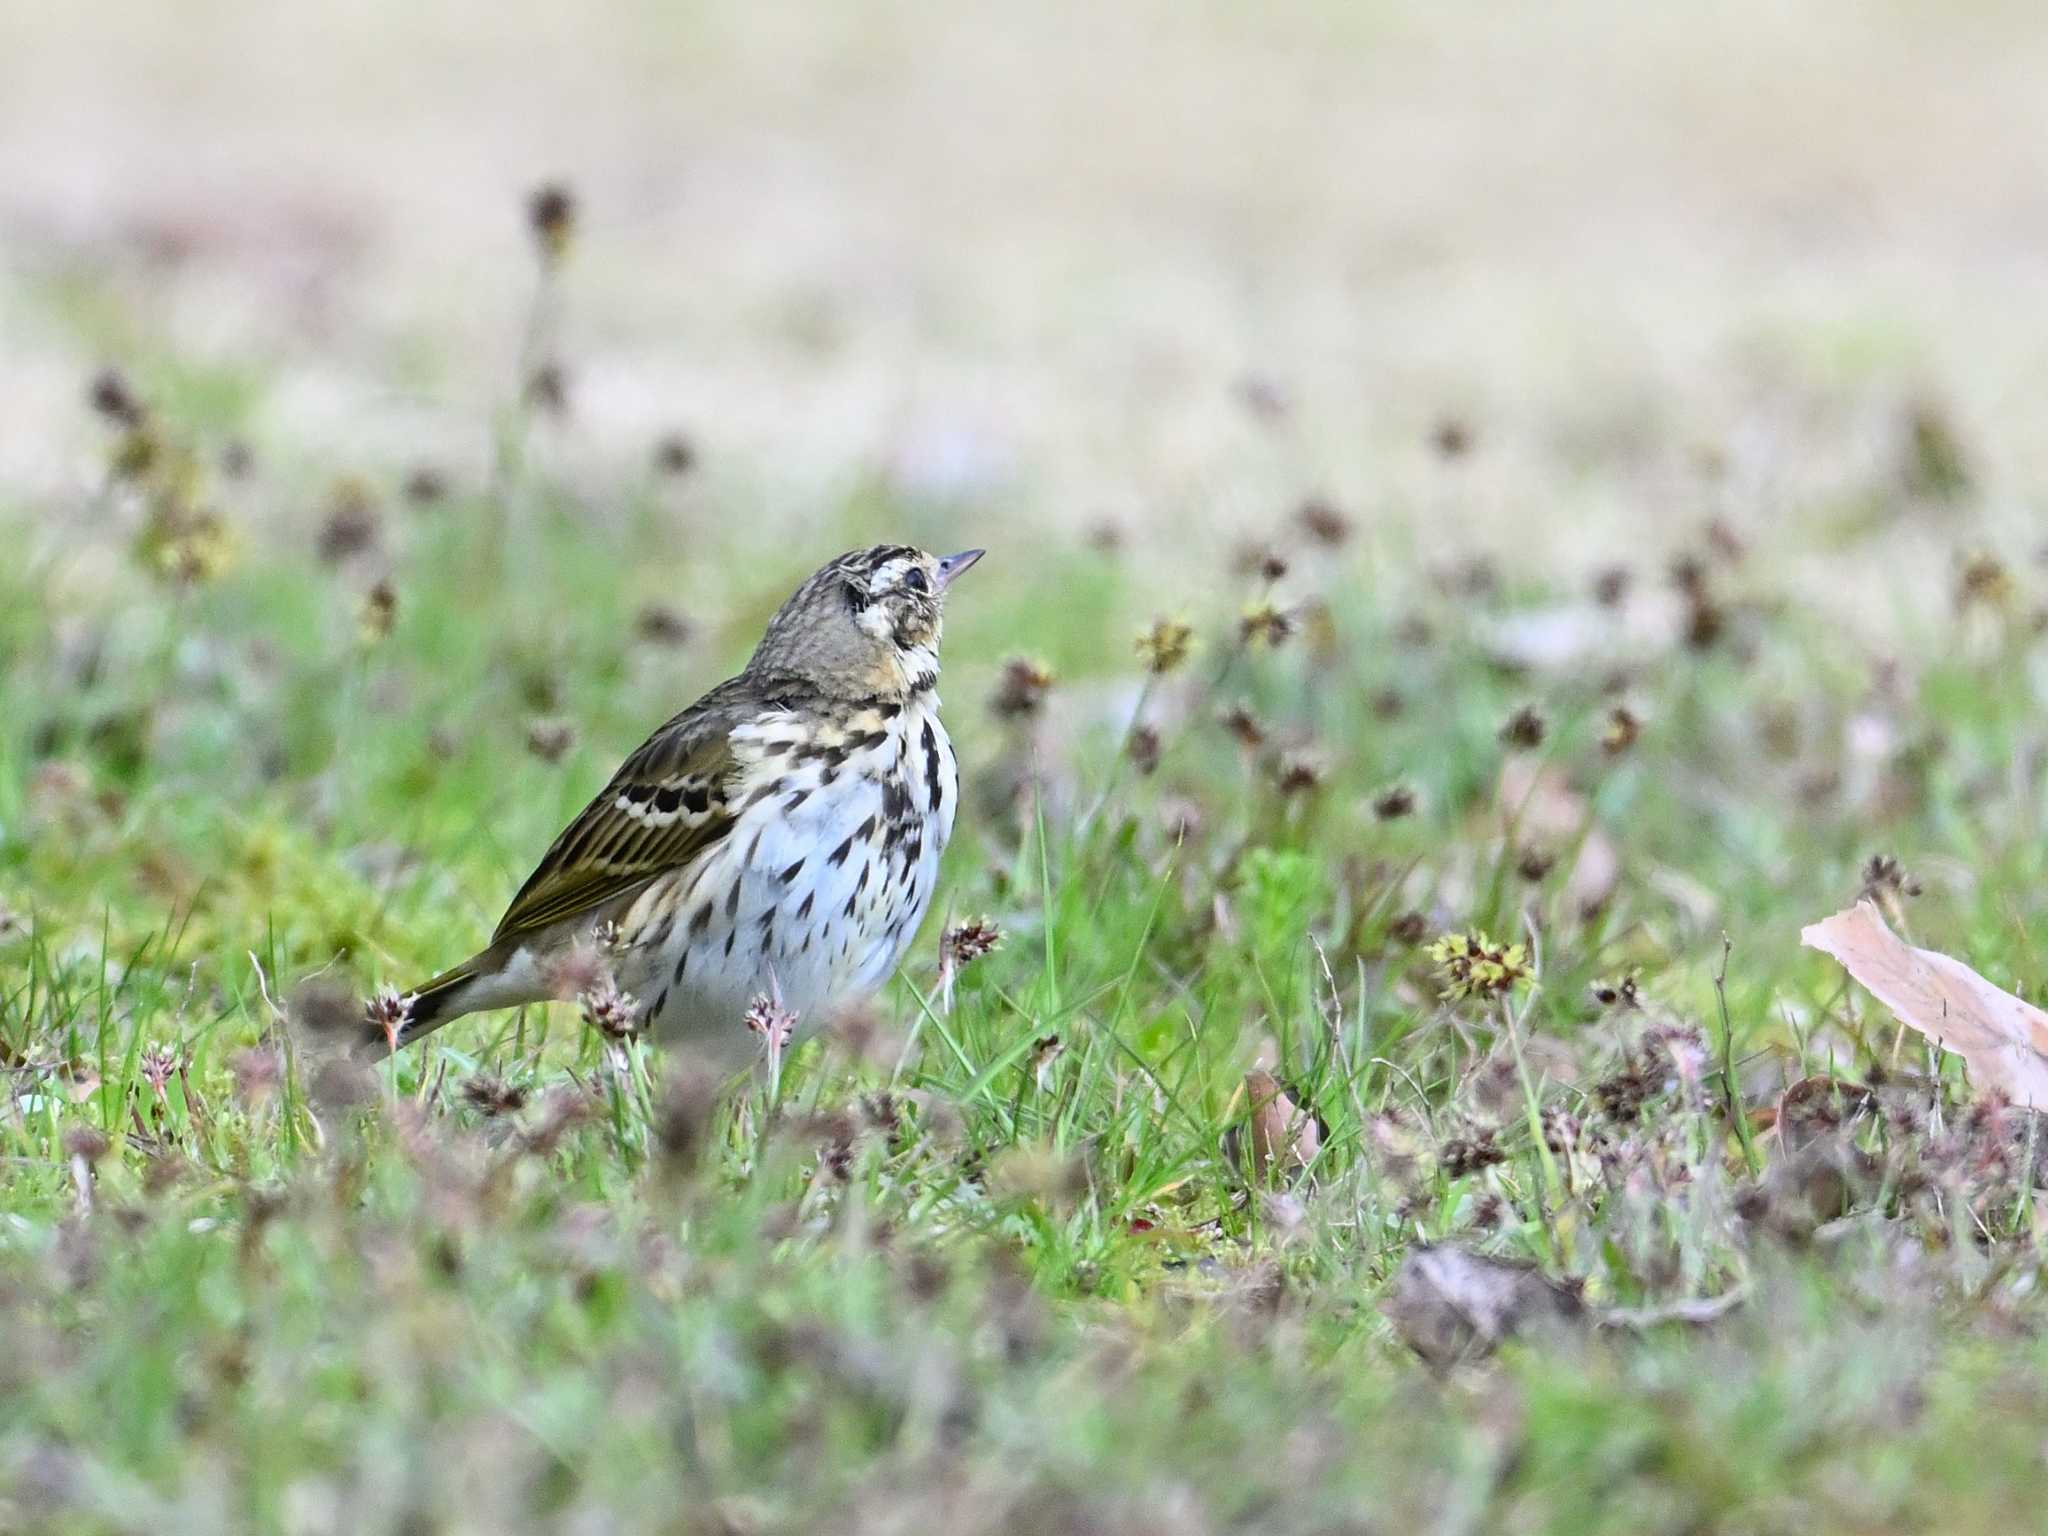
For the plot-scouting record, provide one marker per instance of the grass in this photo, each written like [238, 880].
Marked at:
[1004, 1262]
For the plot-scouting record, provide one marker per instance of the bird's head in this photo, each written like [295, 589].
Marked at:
[866, 625]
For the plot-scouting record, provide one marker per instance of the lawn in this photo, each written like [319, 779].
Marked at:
[1252, 1181]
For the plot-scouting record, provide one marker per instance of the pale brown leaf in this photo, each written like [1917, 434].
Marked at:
[1284, 1137]
[2004, 1039]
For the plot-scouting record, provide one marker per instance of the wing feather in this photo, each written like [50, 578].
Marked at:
[668, 802]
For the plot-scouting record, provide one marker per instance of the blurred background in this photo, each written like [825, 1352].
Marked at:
[1559, 279]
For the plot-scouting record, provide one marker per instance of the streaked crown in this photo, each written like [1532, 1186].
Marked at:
[866, 625]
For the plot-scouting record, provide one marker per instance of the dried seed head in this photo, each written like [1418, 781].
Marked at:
[551, 215]
[1472, 965]
[1451, 437]
[1524, 730]
[1323, 521]
[1265, 623]
[612, 1013]
[1465, 1155]
[1394, 802]
[766, 1017]
[190, 548]
[963, 943]
[1255, 557]
[1241, 723]
[1689, 575]
[1408, 930]
[492, 1096]
[674, 455]
[379, 613]
[1621, 732]
[1705, 623]
[350, 525]
[1145, 748]
[426, 485]
[1884, 875]
[114, 399]
[1021, 690]
[1533, 864]
[547, 388]
[386, 1015]
[1165, 644]
[1617, 992]
[158, 1065]
[550, 739]
[1299, 773]
[137, 454]
[1982, 581]
[1181, 818]
[659, 624]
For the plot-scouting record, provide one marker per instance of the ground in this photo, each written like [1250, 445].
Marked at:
[1594, 463]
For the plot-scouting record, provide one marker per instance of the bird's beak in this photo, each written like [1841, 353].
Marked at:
[953, 565]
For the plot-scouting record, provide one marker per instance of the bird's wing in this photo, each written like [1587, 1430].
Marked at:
[669, 801]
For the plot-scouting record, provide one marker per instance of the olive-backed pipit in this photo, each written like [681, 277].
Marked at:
[780, 838]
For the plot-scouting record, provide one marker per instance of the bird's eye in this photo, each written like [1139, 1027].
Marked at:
[916, 581]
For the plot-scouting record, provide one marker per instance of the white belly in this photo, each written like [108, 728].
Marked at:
[812, 896]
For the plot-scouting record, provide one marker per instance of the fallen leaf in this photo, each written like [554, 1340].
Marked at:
[2004, 1039]
[1284, 1137]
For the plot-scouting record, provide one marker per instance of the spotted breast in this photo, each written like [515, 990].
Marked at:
[818, 886]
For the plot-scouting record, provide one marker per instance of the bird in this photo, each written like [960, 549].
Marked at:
[777, 843]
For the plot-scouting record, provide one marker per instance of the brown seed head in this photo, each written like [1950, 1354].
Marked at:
[547, 388]
[1524, 730]
[1165, 644]
[612, 1013]
[1241, 723]
[766, 1017]
[1265, 623]
[386, 1014]
[551, 215]
[659, 624]
[426, 485]
[1394, 802]
[1299, 773]
[492, 1096]
[1323, 521]
[1020, 692]
[1145, 749]
[674, 455]
[114, 399]
[350, 525]
[379, 615]
[1621, 731]
[965, 942]
[1451, 437]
